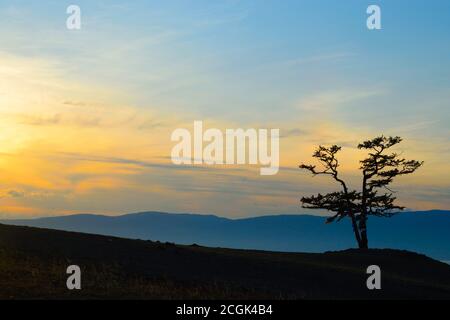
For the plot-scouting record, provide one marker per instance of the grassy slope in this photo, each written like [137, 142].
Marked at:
[33, 263]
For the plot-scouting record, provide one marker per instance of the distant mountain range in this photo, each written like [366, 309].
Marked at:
[426, 232]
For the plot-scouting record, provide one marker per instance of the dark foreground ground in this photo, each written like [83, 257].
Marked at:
[33, 265]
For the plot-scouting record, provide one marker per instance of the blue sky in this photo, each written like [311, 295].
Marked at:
[309, 67]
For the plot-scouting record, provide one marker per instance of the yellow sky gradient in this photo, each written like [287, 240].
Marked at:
[68, 147]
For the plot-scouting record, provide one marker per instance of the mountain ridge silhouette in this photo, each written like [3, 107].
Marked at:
[420, 231]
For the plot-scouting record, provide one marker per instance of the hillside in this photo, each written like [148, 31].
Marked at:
[425, 232]
[33, 263]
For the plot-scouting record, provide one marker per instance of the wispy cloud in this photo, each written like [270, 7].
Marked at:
[60, 120]
[330, 100]
[287, 133]
[317, 59]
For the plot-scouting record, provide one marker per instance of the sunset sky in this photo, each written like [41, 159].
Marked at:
[87, 115]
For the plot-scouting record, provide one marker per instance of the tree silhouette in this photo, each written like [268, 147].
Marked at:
[378, 171]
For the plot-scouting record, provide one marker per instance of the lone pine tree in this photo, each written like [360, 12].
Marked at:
[375, 197]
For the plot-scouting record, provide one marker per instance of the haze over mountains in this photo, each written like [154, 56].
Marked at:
[426, 232]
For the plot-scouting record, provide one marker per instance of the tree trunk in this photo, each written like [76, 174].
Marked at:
[356, 231]
[350, 213]
[364, 244]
